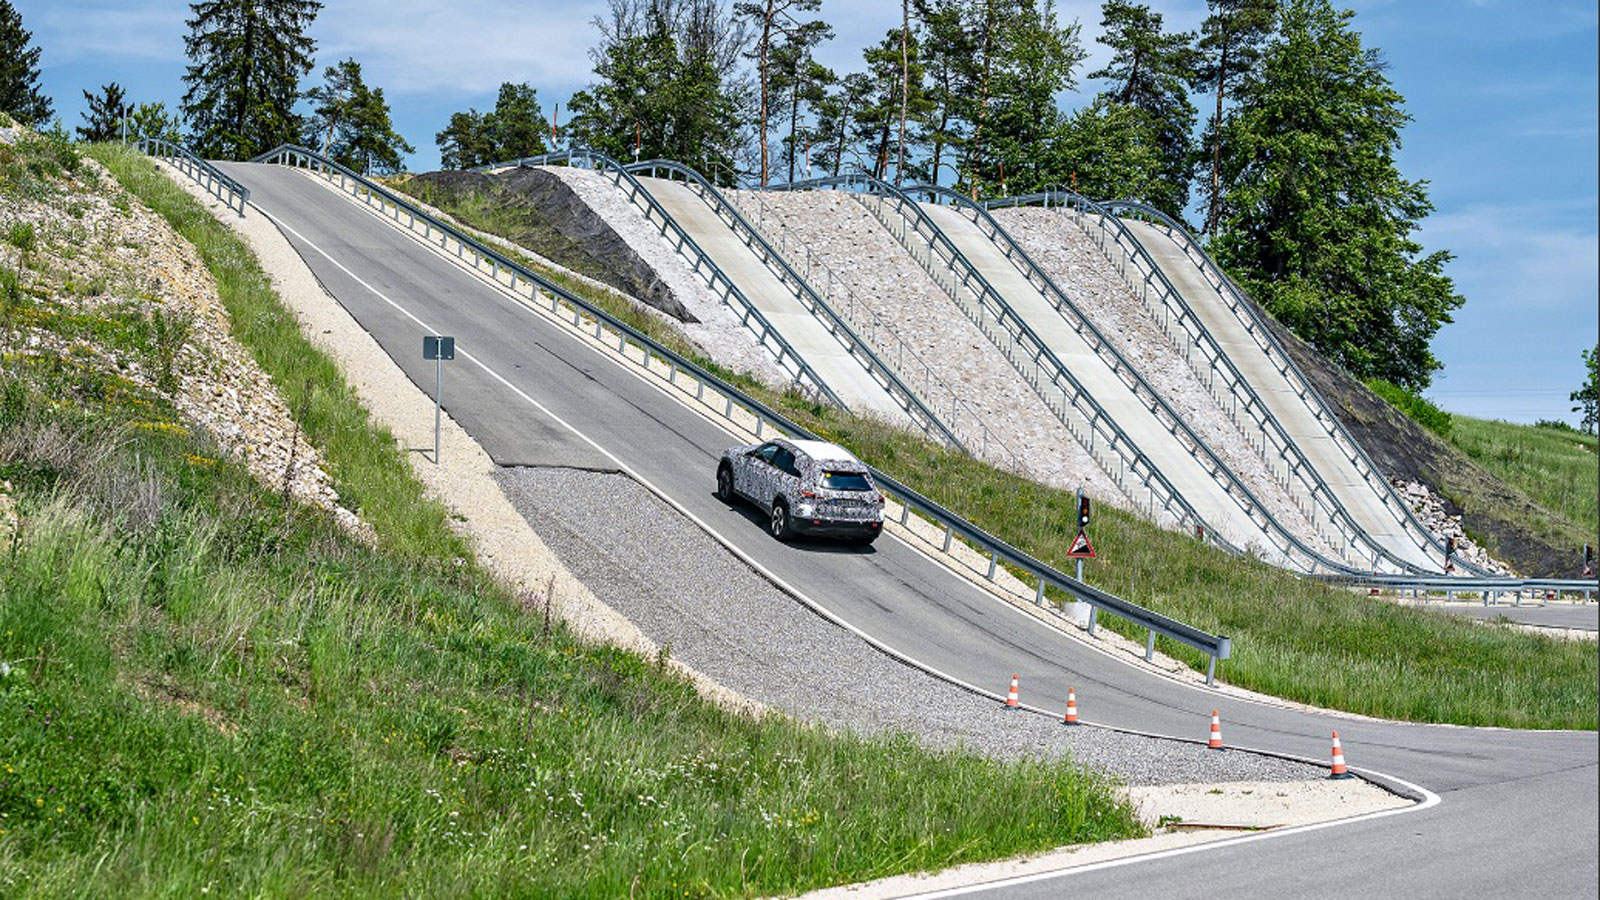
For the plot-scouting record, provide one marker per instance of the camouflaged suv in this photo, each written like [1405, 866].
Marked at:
[808, 487]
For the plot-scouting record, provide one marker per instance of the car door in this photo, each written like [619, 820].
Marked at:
[785, 475]
[755, 477]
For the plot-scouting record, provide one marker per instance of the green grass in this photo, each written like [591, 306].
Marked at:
[1421, 411]
[1557, 467]
[210, 692]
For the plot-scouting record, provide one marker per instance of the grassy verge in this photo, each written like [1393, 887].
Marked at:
[1292, 637]
[221, 694]
[1557, 467]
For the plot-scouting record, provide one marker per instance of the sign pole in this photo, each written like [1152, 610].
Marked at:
[438, 348]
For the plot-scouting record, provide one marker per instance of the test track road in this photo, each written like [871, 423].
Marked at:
[1517, 812]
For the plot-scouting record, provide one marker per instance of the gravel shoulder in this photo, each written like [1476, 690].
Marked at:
[622, 579]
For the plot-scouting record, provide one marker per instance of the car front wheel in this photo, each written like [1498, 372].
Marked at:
[782, 527]
[725, 483]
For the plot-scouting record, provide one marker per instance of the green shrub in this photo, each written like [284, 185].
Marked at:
[1421, 411]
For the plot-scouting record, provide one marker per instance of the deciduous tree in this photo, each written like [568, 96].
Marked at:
[1588, 396]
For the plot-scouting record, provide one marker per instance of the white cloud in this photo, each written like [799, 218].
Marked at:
[462, 48]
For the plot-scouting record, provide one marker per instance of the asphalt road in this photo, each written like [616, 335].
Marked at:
[1516, 812]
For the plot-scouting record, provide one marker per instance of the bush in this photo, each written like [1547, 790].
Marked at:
[1557, 424]
[1421, 411]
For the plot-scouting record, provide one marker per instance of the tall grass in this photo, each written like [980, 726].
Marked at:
[1557, 467]
[1292, 637]
[187, 710]
[205, 692]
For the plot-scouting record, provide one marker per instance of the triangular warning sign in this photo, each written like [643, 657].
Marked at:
[1081, 548]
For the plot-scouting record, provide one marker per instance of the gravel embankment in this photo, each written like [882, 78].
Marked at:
[688, 593]
[1084, 273]
[867, 277]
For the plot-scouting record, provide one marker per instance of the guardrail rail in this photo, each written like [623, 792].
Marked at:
[211, 178]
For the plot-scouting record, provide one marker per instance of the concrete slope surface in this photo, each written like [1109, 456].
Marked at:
[809, 338]
[1353, 491]
[1519, 809]
[1210, 499]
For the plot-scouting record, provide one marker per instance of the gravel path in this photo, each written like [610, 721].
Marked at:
[867, 277]
[688, 593]
[1085, 274]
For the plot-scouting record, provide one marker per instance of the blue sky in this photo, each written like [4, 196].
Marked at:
[1502, 94]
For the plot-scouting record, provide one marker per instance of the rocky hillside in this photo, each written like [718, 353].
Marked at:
[105, 306]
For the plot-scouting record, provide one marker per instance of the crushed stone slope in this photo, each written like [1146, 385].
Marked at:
[867, 277]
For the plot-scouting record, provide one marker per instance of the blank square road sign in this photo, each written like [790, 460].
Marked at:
[438, 347]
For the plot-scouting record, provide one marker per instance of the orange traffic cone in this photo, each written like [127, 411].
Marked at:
[1340, 770]
[1215, 742]
[1011, 695]
[1072, 708]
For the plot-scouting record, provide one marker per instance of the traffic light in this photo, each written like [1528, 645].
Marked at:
[1083, 511]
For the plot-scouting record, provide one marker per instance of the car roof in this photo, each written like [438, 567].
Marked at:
[825, 451]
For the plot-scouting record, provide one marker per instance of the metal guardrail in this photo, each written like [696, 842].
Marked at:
[1249, 316]
[1175, 314]
[208, 176]
[925, 418]
[699, 261]
[1487, 586]
[655, 357]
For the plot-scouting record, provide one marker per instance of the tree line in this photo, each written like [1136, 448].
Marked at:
[1290, 172]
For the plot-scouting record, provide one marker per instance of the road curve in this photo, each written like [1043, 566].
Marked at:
[1518, 810]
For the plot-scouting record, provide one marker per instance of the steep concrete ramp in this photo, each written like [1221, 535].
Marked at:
[1362, 501]
[1209, 498]
[842, 372]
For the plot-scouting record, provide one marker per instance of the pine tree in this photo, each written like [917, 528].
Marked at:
[1039, 61]
[516, 126]
[1108, 149]
[351, 122]
[247, 59]
[465, 142]
[151, 120]
[1150, 71]
[19, 71]
[1230, 45]
[103, 120]
[1317, 219]
[801, 82]
[668, 85]
[775, 25]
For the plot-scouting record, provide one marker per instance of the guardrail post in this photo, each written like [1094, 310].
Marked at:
[1150, 645]
[1093, 611]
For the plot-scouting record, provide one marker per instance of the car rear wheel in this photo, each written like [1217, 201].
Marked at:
[725, 483]
[782, 527]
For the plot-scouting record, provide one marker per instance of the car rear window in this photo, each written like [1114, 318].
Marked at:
[846, 481]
